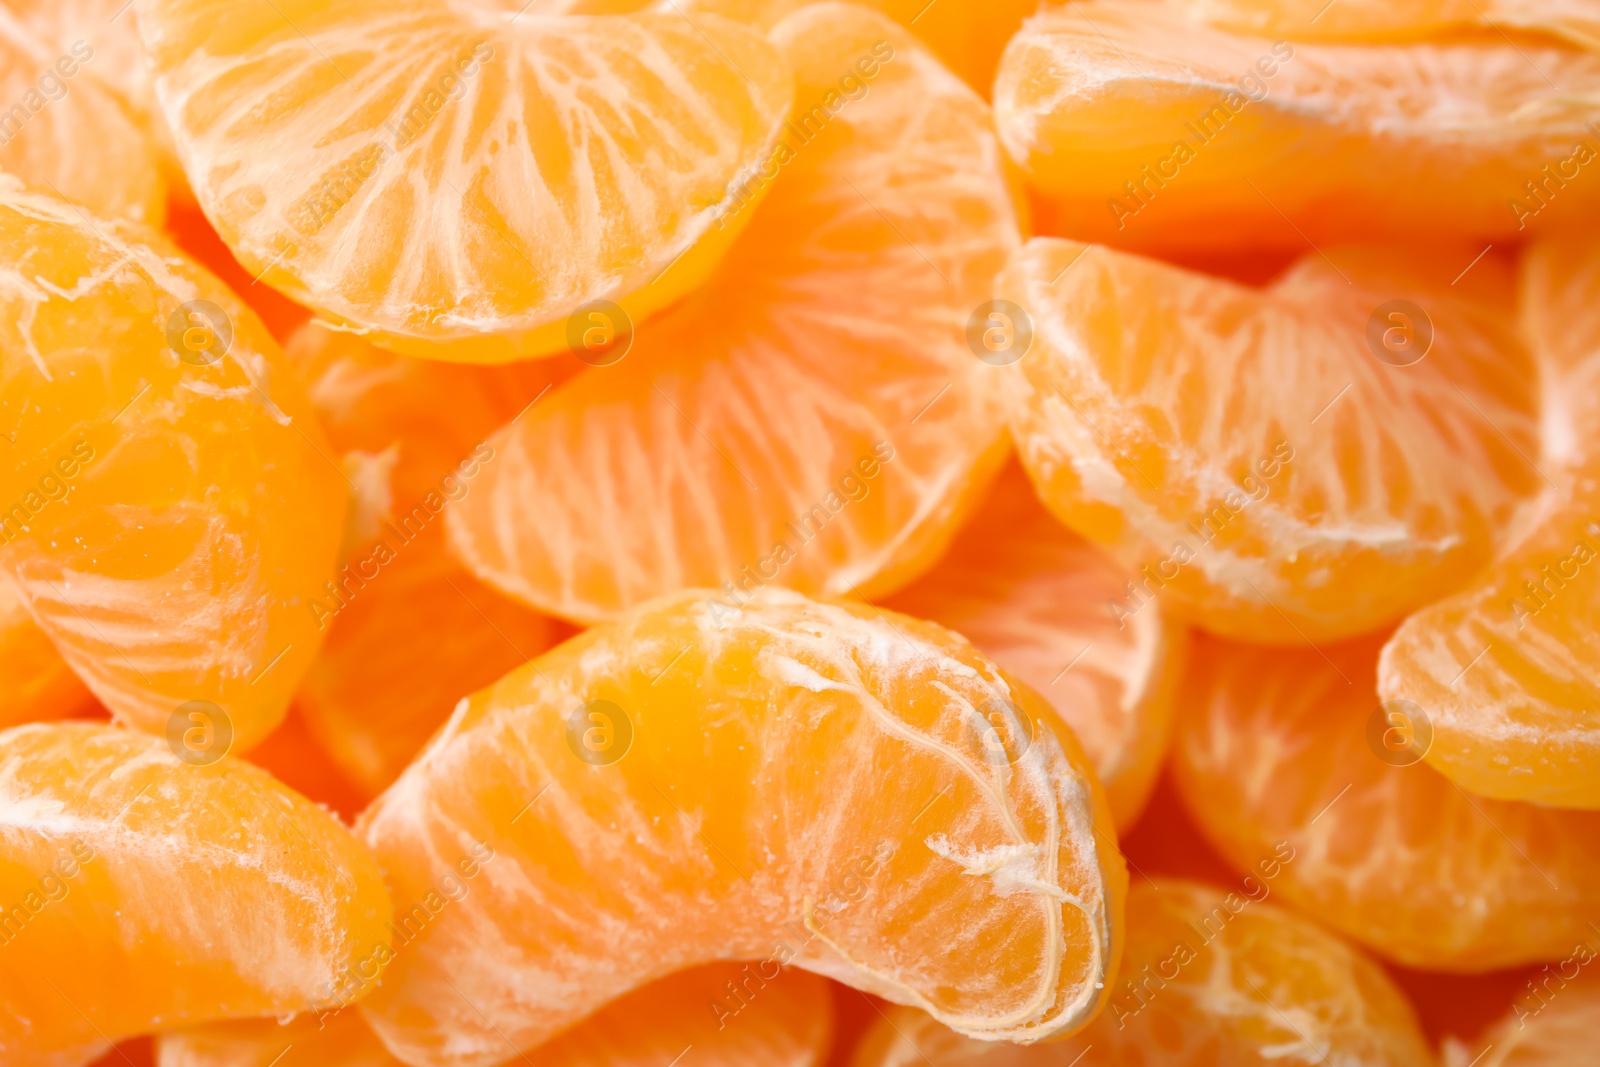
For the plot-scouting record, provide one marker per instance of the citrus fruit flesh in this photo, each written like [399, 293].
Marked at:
[781, 1021]
[173, 507]
[409, 630]
[35, 682]
[63, 131]
[1246, 455]
[1574, 21]
[1508, 668]
[812, 418]
[967, 36]
[1210, 976]
[824, 785]
[490, 174]
[1285, 747]
[1142, 126]
[143, 892]
[1552, 1025]
[293, 756]
[1033, 596]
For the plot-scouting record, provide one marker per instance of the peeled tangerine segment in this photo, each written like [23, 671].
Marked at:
[1553, 1024]
[455, 179]
[143, 892]
[968, 36]
[409, 630]
[1032, 595]
[1508, 669]
[1574, 21]
[1247, 455]
[1210, 976]
[782, 1020]
[1289, 748]
[800, 783]
[61, 129]
[172, 507]
[813, 417]
[1141, 125]
[35, 682]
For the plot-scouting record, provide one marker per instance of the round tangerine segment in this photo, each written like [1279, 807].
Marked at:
[486, 178]
[813, 417]
[1035, 598]
[61, 129]
[1142, 126]
[1247, 454]
[1574, 21]
[173, 508]
[1508, 669]
[1289, 746]
[141, 891]
[410, 631]
[1210, 976]
[801, 783]
[784, 1020]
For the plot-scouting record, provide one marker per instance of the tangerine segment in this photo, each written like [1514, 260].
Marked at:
[967, 36]
[173, 508]
[1509, 668]
[35, 682]
[1554, 1026]
[799, 783]
[1033, 596]
[813, 418]
[1288, 748]
[141, 892]
[784, 1021]
[1246, 455]
[489, 177]
[61, 129]
[1575, 21]
[1143, 126]
[1210, 976]
[410, 632]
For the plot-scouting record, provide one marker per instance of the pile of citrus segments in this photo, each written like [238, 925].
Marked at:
[767, 533]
